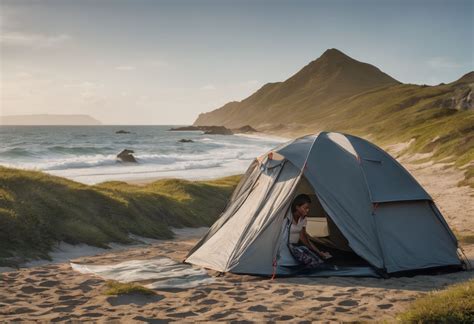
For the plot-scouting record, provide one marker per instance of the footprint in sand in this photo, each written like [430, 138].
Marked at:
[322, 298]
[298, 294]
[65, 309]
[219, 316]
[21, 310]
[208, 302]
[348, 302]
[68, 297]
[341, 294]
[384, 306]
[224, 288]
[182, 315]
[284, 318]
[340, 309]
[281, 291]
[32, 273]
[46, 305]
[32, 290]
[203, 310]
[133, 299]
[93, 315]
[74, 302]
[145, 319]
[197, 296]
[49, 283]
[258, 308]
[240, 299]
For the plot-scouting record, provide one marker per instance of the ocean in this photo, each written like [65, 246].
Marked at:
[87, 154]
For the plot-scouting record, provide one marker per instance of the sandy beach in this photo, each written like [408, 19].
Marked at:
[56, 292]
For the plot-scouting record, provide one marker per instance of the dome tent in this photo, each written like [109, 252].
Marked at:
[388, 222]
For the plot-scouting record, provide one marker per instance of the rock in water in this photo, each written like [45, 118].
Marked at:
[208, 130]
[127, 156]
[185, 140]
[186, 128]
[122, 132]
[245, 129]
[216, 130]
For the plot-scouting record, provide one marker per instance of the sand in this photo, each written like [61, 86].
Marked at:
[56, 292]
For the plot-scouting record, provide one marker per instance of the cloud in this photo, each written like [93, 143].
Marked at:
[20, 39]
[125, 68]
[208, 87]
[443, 63]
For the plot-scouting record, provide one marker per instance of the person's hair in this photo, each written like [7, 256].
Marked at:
[301, 199]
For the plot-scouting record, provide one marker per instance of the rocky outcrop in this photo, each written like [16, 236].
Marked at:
[186, 128]
[217, 130]
[208, 130]
[244, 129]
[126, 156]
[462, 99]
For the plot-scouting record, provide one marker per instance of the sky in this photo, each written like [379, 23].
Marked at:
[164, 62]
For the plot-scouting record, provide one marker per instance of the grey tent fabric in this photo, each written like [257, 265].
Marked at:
[236, 238]
[297, 151]
[382, 212]
[412, 237]
[386, 179]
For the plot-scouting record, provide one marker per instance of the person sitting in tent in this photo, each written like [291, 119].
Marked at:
[299, 244]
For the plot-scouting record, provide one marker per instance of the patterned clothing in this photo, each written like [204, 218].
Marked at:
[305, 256]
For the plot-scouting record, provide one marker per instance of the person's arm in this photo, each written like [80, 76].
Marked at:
[306, 241]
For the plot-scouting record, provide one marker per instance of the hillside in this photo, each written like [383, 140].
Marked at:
[338, 93]
[332, 77]
[38, 210]
[46, 119]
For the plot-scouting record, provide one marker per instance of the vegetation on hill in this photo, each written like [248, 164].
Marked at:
[452, 305]
[38, 210]
[338, 93]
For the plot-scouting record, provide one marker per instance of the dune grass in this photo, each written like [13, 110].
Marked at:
[465, 238]
[38, 210]
[452, 305]
[468, 176]
[119, 288]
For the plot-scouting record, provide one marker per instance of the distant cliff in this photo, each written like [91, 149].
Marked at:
[46, 119]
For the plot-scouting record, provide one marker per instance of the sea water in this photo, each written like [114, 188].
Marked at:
[88, 154]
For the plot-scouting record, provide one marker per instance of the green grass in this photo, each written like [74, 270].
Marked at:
[38, 210]
[452, 305]
[118, 288]
[465, 238]
[468, 177]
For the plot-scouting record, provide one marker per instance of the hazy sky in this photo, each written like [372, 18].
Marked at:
[164, 62]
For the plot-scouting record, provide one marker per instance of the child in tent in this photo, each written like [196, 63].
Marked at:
[299, 244]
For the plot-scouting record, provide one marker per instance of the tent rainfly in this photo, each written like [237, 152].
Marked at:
[367, 210]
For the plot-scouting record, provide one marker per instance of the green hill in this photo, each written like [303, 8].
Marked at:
[38, 210]
[338, 93]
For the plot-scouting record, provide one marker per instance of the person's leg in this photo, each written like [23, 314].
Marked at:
[304, 256]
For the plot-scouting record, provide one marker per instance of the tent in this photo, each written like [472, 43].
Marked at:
[367, 210]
